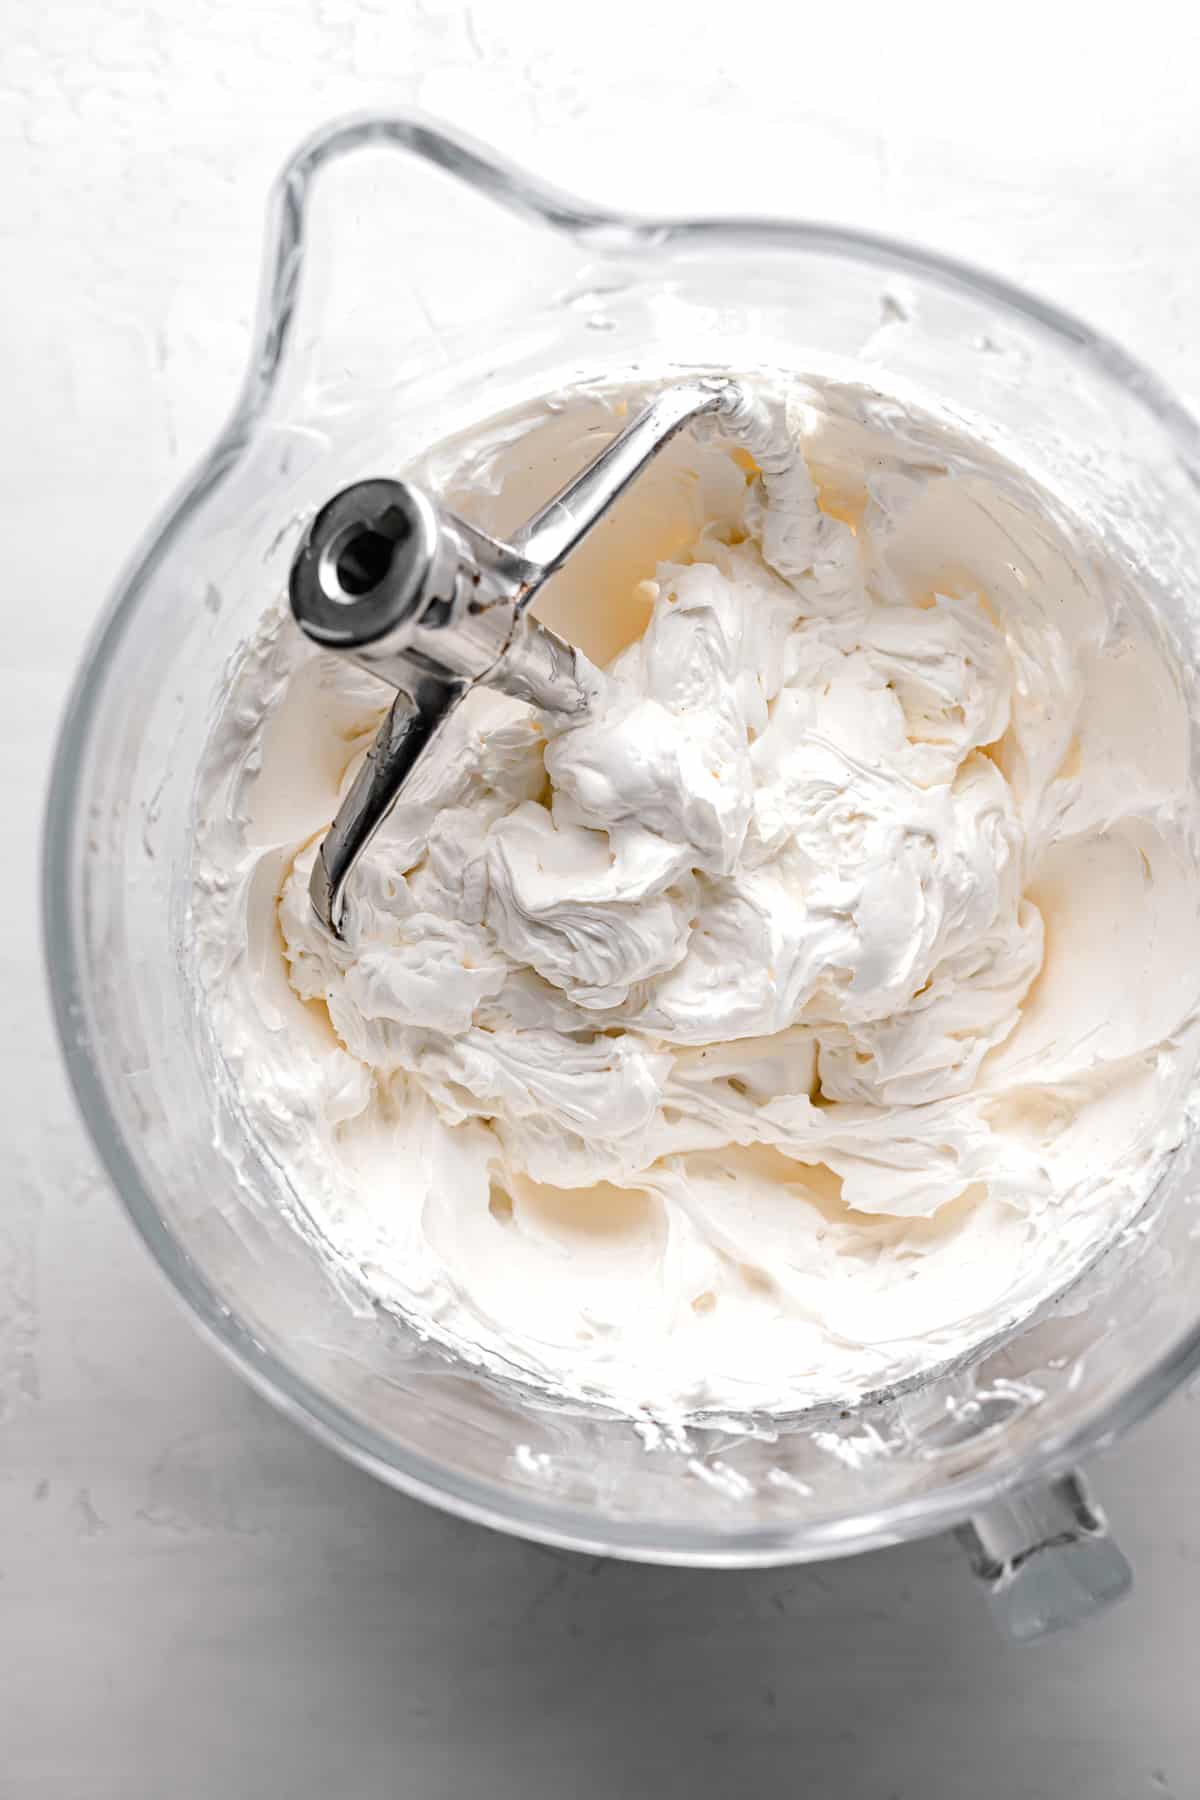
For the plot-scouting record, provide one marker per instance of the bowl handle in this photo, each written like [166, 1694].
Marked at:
[1045, 1557]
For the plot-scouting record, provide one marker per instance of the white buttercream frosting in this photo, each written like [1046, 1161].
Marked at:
[802, 1017]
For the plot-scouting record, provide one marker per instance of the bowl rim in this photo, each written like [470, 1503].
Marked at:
[601, 230]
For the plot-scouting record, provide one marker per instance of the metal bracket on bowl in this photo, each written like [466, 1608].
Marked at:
[1046, 1559]
[433, 606]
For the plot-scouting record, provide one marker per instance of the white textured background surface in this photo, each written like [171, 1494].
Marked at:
[194, 1599]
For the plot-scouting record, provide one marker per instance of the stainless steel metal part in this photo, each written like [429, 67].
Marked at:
[431, 605]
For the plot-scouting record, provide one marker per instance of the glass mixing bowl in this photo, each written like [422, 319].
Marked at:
[390, 318]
